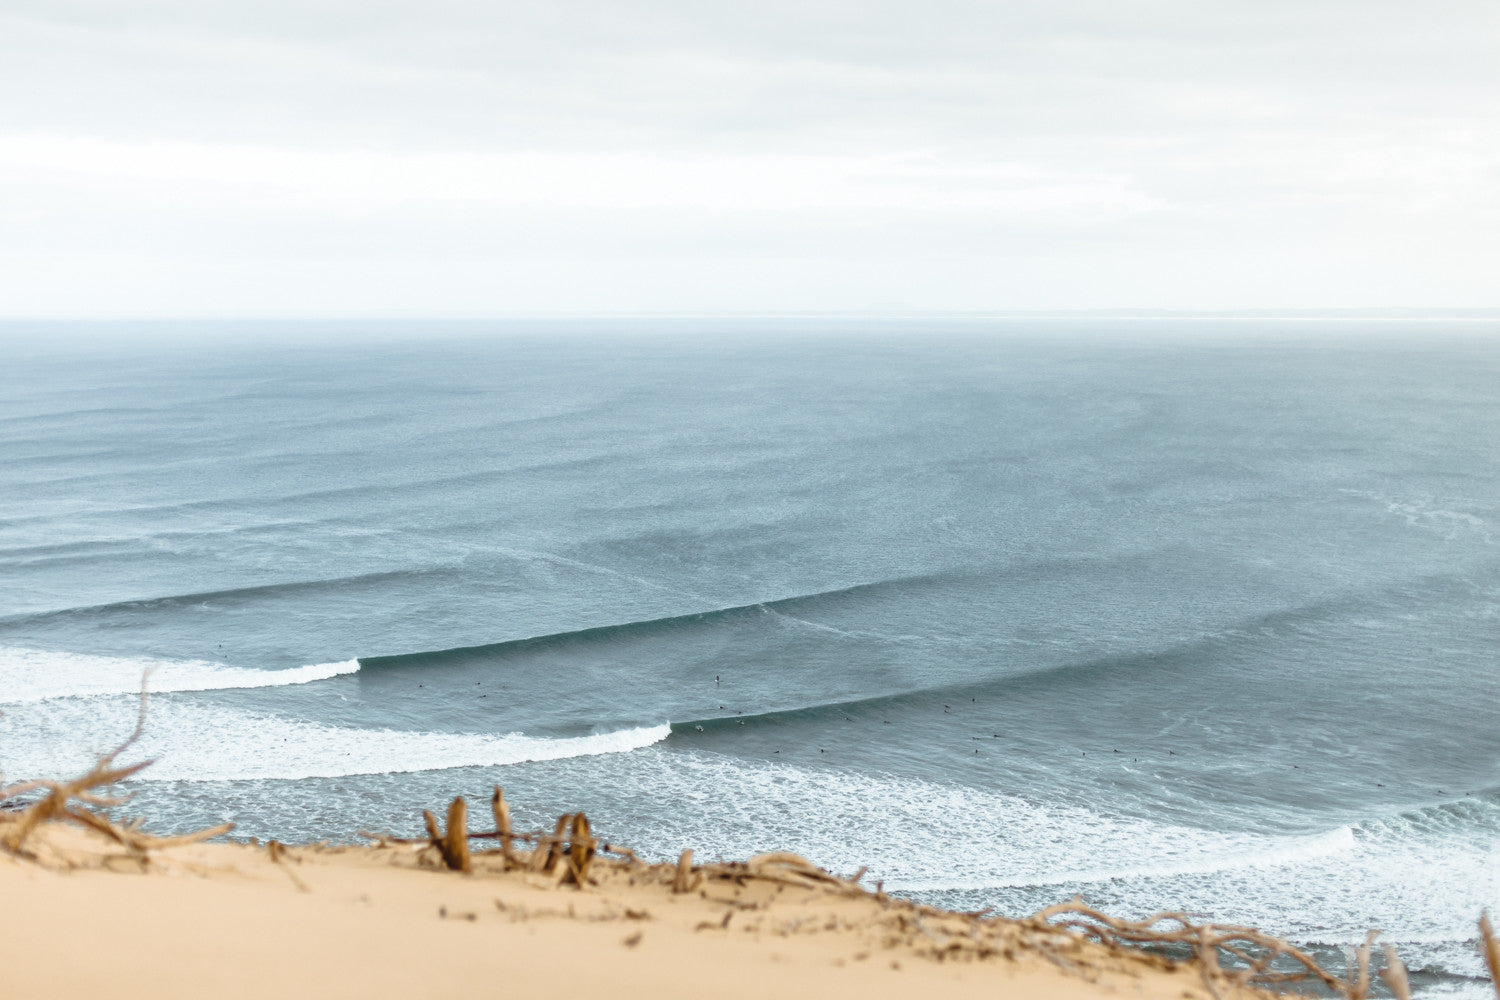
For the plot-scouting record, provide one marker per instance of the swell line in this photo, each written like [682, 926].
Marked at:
[237, 504]
[1166, 658]
[777, 607]
[229, 594]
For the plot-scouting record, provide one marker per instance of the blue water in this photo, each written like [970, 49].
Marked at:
[1167, 613]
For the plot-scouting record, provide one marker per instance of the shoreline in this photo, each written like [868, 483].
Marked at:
[129, 914]
[389, 920]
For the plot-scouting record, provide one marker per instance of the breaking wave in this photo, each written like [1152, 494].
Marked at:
[32, 675]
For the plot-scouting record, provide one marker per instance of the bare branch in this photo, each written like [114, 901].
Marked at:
[1490, 949]
[71, 801]
[1394, 974]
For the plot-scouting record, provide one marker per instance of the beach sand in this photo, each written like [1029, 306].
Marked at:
[226, 920]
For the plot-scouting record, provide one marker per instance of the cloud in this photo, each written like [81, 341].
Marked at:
[1153, 154]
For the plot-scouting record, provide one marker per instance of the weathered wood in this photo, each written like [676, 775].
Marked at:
[546, 854]
[502, 825]
[68, 801]
[1490, 948]
[581, 851]
[455, 843]
[683, 880]
[1394, 974]
[1203, 939]
[1359, 976]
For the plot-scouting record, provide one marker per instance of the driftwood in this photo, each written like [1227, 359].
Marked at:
[566, 854]
[1394, 974]
[1253, 950]
[1359, 978]
[547, 852]
[279, 856]
[785, 869]
[581, 851]
[1489, 947]
[682, 879]
[452, 846]
[1253, 955]
[630, 856]
[76, 802]
[1225, 955]
[501, 812]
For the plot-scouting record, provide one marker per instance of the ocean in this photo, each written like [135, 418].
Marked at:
[1166, 613]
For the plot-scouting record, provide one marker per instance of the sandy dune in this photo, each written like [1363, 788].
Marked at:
[225, 921]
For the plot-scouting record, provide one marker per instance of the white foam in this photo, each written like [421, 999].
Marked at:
[1175, 856]
[195, 742]
[1422, 878]
[905, 830]
[32, 675]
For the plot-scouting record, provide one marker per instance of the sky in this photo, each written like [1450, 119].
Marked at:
[394, 158]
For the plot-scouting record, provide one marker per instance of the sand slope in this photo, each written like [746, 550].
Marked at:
[223, 920]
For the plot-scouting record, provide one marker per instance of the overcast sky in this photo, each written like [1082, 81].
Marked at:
[448, 158]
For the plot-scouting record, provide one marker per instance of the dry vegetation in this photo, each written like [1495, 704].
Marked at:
[1230, 959]
[80, 802]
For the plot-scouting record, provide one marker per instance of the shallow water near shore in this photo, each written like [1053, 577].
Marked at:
[1172, 614]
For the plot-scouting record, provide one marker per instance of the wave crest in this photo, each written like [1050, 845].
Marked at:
[197, 742]
[32, 675]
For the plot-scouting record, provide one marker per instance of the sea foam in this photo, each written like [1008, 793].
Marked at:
[198, 742]
[32, 675]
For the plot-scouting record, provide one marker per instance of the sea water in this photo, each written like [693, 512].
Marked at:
[1169, 614]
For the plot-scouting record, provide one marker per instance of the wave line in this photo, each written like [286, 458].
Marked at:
[33, 675]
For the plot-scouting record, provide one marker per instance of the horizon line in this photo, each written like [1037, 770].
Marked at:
[1352, 312]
